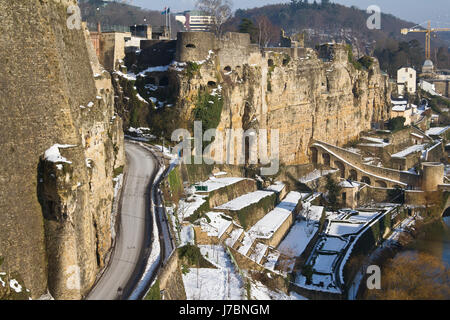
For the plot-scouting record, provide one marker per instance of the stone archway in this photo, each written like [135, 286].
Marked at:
[339, 165]
[326, 159]
[314, 155]
[446, 213]
[353, 175]
[380, 184]
[366, 180]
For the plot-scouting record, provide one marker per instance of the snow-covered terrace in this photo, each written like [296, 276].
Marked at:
[437, 131]
[271, 222]
[406, 152]
[245, 200]
[218, 224]
[217, 183]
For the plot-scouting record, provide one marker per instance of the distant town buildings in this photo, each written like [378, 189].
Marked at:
[406, 80]
[195, 20]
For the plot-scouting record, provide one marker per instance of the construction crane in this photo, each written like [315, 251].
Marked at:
[428, 32]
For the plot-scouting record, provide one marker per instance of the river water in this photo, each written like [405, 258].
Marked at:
[435, 241]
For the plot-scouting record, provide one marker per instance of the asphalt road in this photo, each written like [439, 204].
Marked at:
[132, 240]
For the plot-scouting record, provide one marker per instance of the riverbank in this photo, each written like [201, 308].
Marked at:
[431, 237]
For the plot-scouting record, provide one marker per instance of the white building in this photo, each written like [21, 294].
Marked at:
[406, 80]
[195, 21]
[428, 87]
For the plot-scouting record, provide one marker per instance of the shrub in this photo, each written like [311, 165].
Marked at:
[396, 124]
[208, 110]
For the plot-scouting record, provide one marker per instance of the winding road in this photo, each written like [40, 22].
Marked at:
[133, 240]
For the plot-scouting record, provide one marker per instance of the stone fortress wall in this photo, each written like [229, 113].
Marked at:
[56, 218]
[303, 93]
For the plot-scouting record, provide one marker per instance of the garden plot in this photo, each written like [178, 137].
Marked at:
[364, 216]
[324, 263]
[332, 244]
[245, 200]
[216, 224]
[277, 187]
[187, 208]
[234, 236]
[271, 222]
[259, 252]
[272, 259]
[247, 243]
[217, 183]
[222, 283]
[260, 292]
[311, 212]
[187, 235]
[298, 238]
[319, 282]
[339, 229]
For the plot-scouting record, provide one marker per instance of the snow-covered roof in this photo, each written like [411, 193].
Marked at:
[404, 153]
[436, 131]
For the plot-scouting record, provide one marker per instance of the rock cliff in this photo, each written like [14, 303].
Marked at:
[61, 142]
[307, 94]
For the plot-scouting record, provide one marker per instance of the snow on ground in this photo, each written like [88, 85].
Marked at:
[333, 244]
[246, 243]
[324, 263]
[314, 175]
[364, 216]
[187, 207]
[269, 224]
[14, 284]
[52, 154]
[221, 173]
[339, 229]
[187, 235]
[272, 259]
[245, 200]
[217, 183]
[234, 236]
[218, 224]
[436, 131]
[409, 150]
[222, 283]
[259, 252]
[260, 292]
[377, 141]
[313, 213]
[212, 284]
[298, 238]
[277, 187]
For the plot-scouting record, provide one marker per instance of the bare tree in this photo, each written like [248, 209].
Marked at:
[220, 10]
[267, 31]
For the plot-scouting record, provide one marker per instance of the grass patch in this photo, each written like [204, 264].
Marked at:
[192, 257]
[118, 171]
[154, 293]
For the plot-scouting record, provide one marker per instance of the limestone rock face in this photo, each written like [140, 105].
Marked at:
[61, 143]
[306, 95]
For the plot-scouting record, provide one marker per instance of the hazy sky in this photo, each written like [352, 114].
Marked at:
[412, 10]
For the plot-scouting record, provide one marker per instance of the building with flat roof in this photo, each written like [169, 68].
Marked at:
[195, 20]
